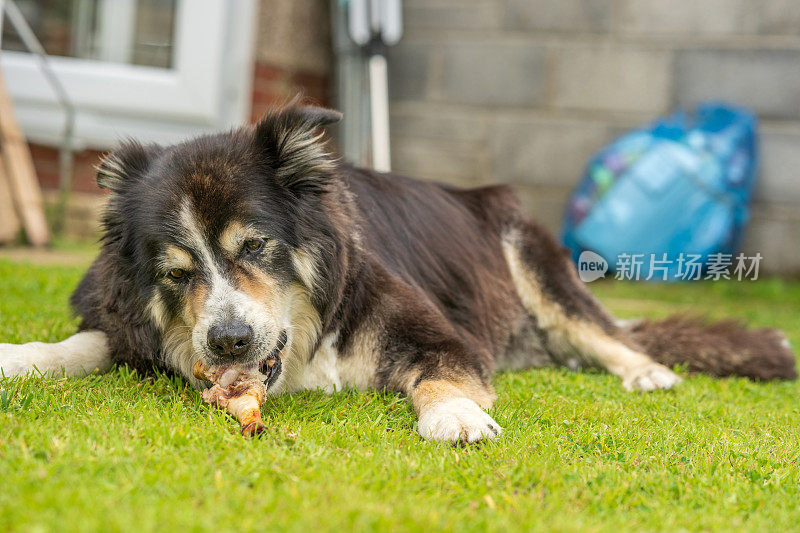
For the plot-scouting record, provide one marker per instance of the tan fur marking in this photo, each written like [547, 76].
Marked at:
[431, 392]
[305, 266]
[175, 257]
[306, 327]
[157, 311]
[580, 338]
[195, 303]
[233, 237]
[179, 352]
[110, 172]
[257, 285]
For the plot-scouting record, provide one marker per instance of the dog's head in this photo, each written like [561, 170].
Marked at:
[224, 237]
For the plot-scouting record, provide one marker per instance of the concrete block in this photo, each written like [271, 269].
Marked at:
[409, 70]
[767, 81]
[544, 204]
[462, 164]
[778, 17]
[779, 178]
[775, 234]
[432, 123]
[563, 15]
[612, 79]
[686, 17]
[452, 14]
[494, 74]
[537, 152]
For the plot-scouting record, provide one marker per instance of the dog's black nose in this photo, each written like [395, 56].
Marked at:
[229, 339]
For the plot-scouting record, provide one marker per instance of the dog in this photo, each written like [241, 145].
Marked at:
[257, 244]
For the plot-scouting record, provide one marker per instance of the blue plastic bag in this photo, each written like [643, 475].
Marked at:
[681, 185]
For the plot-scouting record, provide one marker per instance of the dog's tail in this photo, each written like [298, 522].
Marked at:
[721, 349]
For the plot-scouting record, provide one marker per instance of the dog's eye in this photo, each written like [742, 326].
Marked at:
[253, 245]
[177, 274]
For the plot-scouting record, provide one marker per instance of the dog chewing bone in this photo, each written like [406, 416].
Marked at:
[238, 390]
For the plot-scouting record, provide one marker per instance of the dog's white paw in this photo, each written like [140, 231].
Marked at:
[14, 360]
[650, 377]
[457, 420]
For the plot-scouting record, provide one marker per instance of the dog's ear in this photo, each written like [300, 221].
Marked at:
[291, 142]
[125, 164]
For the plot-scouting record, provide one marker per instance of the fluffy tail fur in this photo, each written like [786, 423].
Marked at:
[720, 349]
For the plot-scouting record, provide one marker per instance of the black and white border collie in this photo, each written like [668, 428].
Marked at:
[243, 246]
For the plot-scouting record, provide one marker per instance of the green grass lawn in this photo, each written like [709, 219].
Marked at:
[119, 452]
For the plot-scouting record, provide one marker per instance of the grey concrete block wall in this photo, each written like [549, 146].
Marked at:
[562, 15]
[778, 17]
[686, 17]
[768, 81]
[524, 91]
[543, 151]
[779, 181]
[453, 14]
[491, 73]
[596, 77]
[411, 71]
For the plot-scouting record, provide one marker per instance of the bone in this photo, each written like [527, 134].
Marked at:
[238, 390]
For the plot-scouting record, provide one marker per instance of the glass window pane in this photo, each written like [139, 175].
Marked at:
[137, 32]
[155, 28]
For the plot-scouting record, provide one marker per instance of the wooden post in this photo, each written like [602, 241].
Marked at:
[21, 174]
[9, 222]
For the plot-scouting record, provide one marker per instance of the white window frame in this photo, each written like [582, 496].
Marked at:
[208, 88]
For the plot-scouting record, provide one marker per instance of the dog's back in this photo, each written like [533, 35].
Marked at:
[446, 243]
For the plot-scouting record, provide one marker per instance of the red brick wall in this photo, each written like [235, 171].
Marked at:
[45, 159]
[273, 84]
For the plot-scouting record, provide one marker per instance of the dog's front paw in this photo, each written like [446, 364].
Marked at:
[457, 420]
[14, 360]
[650, 377]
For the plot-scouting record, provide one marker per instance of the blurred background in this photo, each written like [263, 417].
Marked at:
[480, 91]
